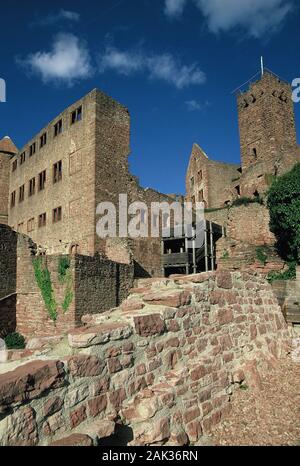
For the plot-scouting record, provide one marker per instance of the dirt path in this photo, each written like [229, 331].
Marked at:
[267, 417]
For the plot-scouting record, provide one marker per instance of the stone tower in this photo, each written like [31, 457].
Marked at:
[7, 150]
[267, 131]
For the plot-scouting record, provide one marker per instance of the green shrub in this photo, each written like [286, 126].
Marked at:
[43, 279]
[284, 207]
[289, 274]
[247, 200]
[15, 341]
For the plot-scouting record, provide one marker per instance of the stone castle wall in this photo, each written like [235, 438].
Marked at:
[210, 181]
[165, 364]
[4, 186]
[95, 284]
[249, 223]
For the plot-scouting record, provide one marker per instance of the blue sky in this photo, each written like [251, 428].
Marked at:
[173, 63]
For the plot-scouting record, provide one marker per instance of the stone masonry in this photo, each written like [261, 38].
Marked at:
[268, 147]
[94, 284]
[164, 364]
[61, 175]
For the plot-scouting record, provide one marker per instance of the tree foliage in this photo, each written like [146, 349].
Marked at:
[284, 208]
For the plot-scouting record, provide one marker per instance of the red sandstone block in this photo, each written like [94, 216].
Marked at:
[172, 325]
[172, 343]
[128, 347]
[170, 299]
[225, 316]
[100, 386]
[154, 364]
[217, 297]
[113, 352]
[191, 414]
[114, 365]
[74, 440]
[198, 372]
[139, 384]
[85, 366]
[126, 361]
[224, 279]
[148, 325]
[52, 406]
[77, 416]
[194, 431]
[117, 397]
[97, 405]
[30, 380]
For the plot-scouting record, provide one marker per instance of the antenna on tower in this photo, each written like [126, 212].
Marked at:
[262, 66]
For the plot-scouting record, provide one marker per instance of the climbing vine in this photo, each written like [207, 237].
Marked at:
[65, 277]
[43, 279]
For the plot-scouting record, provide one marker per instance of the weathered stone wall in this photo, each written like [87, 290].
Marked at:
[32, 315]
[267, 123]
[267, 133]
[75, 192]
[7, 315]
[95, 284]
[249, 223]
[8, 260]
[210, 181]
[4, 186]
[165, 364]
[100, 284]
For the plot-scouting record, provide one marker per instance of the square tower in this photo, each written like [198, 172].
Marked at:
[267, 125]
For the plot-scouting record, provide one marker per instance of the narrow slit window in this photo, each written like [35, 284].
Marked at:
[58, 128]
[57, 214]
[42, 220]
[43, 140]
[42, 180]
[57, 171]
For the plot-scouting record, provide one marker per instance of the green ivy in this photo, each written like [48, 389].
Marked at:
[247, 200]
[289, 274]
[67, 300]
[65, 276]
[261, 255]
[43, 279]
[63, 267]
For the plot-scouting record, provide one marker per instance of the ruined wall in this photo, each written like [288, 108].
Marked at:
[100, 284]
[249, 223]
[165, 364]
[8, 260]
[266, 121]
[267, 132]
[75, 193]
[4, 186]
[32, 315]
[92, 284]
[210, 181]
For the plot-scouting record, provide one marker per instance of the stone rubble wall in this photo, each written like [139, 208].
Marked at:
[164, 363]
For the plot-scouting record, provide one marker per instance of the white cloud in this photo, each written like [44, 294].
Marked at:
[194, 106]
[61, 15]
[68, 61]
[162, 67]
[257, 17]
[174, 8]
